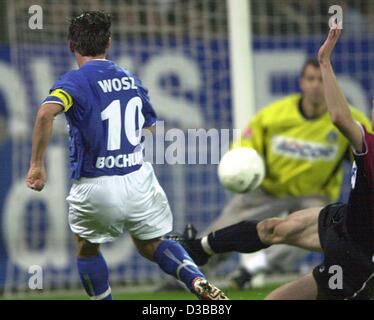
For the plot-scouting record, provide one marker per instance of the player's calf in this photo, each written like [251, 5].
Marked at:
[241, 237]
[173, 259]
[93, 270]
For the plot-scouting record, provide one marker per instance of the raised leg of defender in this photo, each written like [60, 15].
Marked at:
[298, 229]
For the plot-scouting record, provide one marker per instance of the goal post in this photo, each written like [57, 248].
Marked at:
[241, 62]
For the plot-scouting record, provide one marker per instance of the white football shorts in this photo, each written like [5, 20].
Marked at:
[101, 208]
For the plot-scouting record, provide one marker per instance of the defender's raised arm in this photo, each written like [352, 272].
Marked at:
[337, 104]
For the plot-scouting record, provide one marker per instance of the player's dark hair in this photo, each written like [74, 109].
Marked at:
[310, 62]
[90, 33]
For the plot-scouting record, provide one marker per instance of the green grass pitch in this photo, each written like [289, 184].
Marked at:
[254, 294]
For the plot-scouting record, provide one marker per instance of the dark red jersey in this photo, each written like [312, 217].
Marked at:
[360, 216]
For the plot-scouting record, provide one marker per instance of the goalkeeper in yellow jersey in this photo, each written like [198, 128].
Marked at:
[303, 154]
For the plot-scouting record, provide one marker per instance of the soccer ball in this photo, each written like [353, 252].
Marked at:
[241, 170]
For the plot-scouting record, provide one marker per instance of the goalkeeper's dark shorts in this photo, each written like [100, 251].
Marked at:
[347, 271]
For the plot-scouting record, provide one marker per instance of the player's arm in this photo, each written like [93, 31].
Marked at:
[337, 104]
[36, 177]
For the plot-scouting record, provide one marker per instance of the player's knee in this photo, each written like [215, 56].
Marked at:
[280, 234]
[146, 252]
[265, 230]
[269, 231]
[147, 248]
[85, 249]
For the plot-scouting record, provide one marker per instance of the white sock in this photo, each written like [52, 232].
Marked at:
[206, 246]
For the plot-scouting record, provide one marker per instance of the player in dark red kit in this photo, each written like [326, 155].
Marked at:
[344, 232]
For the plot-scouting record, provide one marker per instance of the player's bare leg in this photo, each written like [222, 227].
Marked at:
[304, 288]
[299, 229]
[147, 248]
[279, 257]
[85, 249]
[173, 259]
[256, 205]
[92, 269]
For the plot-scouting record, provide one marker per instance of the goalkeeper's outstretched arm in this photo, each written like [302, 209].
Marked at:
[337, 104]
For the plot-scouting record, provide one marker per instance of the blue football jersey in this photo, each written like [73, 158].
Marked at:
[106, 108]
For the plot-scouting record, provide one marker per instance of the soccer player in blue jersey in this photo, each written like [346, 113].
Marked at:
[106, 108]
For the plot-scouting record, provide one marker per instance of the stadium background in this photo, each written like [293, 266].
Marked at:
[180, 49]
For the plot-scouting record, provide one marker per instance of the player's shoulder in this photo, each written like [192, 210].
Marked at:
[71, 75]
[142, 89]
[368, 138]
[127, 71]
[361, 117]
[133, 75]
[368, 134]
[70, 78]
[70, 84]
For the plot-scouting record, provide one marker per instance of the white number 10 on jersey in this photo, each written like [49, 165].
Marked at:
[133, 115]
